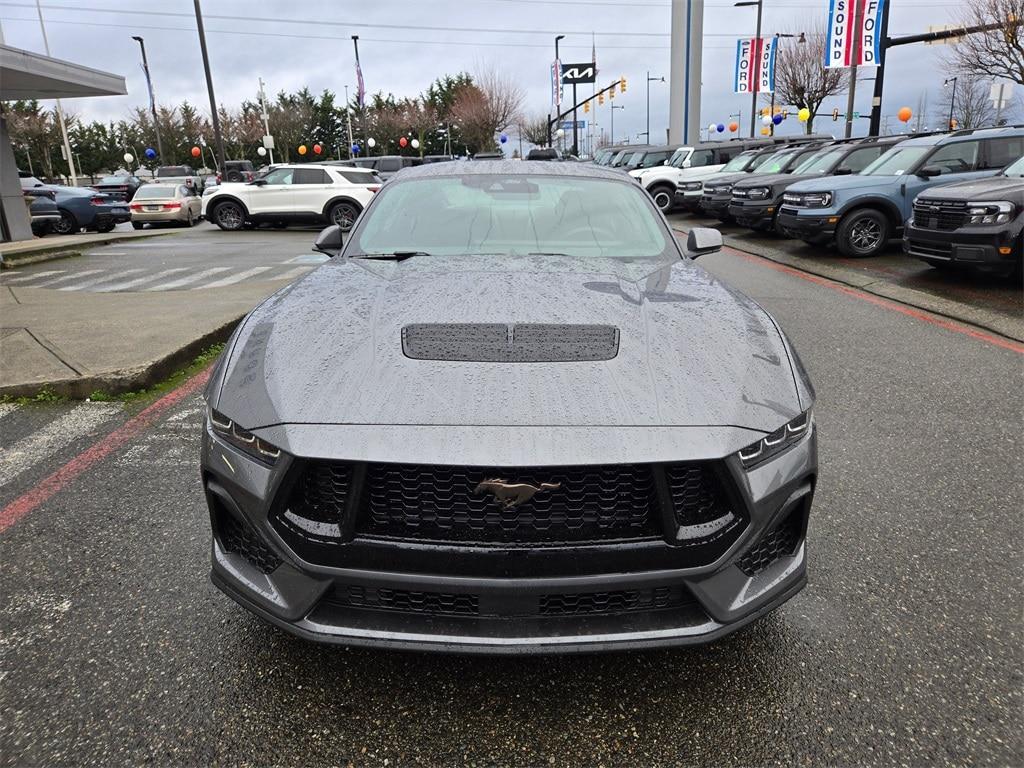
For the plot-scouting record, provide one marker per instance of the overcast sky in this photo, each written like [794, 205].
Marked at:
[405, 44]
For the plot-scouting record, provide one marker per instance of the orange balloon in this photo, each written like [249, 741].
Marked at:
[196, 151]
[733, 127]
[905, 114]
[765, 131]
[302, 149]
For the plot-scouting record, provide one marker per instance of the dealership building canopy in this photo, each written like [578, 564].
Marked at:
[28, 75]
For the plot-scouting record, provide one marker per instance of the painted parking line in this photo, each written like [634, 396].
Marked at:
[57, 481]
[291, 274]
[43, 443]
[236, 278]
[188, 280]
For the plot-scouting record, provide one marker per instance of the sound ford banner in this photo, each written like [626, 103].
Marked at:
[755, 65]
[853, 33]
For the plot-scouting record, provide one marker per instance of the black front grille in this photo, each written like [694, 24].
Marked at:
[944, 250]
[430, 503]
[781, 541]
[409, 601]
[240, 539]
[618, 601]
[939, 215]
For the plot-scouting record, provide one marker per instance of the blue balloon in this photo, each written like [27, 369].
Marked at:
[356, 149]
[720, 128]
[503, 138]
[777, 119]
[150, 153]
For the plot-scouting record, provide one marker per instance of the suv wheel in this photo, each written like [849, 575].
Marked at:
[862, 233]
[229, 216]
[344, 215]
[663, 197]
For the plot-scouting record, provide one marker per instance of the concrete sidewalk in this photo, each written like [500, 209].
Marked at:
[59, 246]
[76, 343]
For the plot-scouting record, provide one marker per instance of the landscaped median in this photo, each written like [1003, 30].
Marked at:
[52, 247]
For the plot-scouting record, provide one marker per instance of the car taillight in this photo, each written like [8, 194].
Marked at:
[136, 206]
[98, 201]
[373, 189]
[218, 178]
[172, 206]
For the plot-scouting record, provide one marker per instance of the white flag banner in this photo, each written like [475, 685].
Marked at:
[854, 33]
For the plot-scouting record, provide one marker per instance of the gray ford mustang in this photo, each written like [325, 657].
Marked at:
[509, 415]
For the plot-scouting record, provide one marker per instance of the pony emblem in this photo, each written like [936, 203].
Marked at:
[511, 495]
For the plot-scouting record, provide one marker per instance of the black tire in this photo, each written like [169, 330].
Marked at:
[190, 220]
[137, 225]
[228, 216]
[663, 196]
[104, 228]
[863, 233]
[67, 225]
[344, 215]
[234, 176]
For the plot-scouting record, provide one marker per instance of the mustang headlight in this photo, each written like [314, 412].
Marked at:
[778, 441]
[758, 193]
[999, 212]
[243, 439]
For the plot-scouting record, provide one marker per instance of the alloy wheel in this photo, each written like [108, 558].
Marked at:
[229, 216]
[865, 235]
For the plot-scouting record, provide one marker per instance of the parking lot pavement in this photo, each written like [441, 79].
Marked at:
[891, 272]
[903, 650]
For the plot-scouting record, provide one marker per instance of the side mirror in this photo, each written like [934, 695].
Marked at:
[843, 171]
[329, 241]
[258, 182]
[930, 171]
[703, 240]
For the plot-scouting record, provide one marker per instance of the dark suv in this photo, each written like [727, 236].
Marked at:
[756, 200]
[974, 224]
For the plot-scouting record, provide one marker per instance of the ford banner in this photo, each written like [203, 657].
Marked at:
[853, 33]
[755, 65]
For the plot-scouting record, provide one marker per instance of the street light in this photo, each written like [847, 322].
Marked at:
[952, 101]
[753, 80]
[649, 81]
[152, 96]
[614, 107]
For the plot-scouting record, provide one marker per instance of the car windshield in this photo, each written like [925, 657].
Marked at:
[897, 162]
[511, 214]
[617, 160]
[154, 191]
[679, 157]
[171, 170]
[114, 180]
[822, 162]
[775, 163]
[1015, 168]
[738, 163]
[634, 160]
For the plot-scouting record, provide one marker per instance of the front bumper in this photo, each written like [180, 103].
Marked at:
[505, 586]
[801, 225]
[975, 247]
[716, 206]
[689, 199]
[111, 217]
[755, 214]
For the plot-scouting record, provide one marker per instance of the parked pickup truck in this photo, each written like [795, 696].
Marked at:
[179, 174]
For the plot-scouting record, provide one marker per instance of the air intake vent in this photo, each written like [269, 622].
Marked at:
[499, 343]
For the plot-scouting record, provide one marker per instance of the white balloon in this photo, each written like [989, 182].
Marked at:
[560, 132]
[766, 120]
[261, 151]
[415, 143]
[713, 127]
[371, 143]
[128, 157]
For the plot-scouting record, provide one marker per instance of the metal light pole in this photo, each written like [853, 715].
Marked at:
[649, 81]
[779, 36]
[217, 136]
[266, 118]
[348, 121]
[952, 101]
[757, 47]
[613, 122]
[60, 109]
[152, 97]
[558, 80]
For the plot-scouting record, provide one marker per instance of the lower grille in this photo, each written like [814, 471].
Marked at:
[318, 501]
[701, 509]
[409, 601]
[571, 504]
[619, 601]
[932, 249]
[781, 541]
[240, 539]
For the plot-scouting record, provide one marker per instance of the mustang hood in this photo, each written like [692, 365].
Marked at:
[677, 348]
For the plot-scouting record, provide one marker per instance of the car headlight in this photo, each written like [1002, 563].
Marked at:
[817, 199]
[243, 439]
[999, 212]
[780, 440]
[693, 186]
[758, 193]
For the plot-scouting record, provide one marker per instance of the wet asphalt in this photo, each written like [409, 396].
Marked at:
[904, 649]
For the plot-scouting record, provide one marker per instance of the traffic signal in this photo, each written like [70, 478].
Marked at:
[586, 107]
[611, 93]
[953, 124]
[600, 99]
[622, 85]
[835, 115]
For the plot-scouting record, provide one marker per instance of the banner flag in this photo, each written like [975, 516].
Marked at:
[853, 33]
[755, 65]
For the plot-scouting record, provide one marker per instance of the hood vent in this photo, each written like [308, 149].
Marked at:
[498, 343]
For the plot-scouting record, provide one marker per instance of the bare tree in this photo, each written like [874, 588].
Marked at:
[490, 105]
[973, 107]
[995, 54]
[800, 78]
[534, 129]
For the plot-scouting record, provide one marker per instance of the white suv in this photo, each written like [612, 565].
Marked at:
[293, 193]
[679, 179]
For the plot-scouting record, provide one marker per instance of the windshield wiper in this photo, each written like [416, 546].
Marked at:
[394, 256]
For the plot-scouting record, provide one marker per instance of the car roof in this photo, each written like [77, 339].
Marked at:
[511, 168]
[964, 135]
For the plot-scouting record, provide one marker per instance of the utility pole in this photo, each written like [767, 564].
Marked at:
[348, 121]
[60, 109]
[613, 122]
[649, 81]
[266, 118]
[218, 138]
[755, 81]
[152, 98]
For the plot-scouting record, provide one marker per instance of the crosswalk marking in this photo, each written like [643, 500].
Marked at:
[188, 280]
[36, 276]
[125, 285]
[291, 274]
[43, 443]
[64, 278]
[99, 280]
[235, 278]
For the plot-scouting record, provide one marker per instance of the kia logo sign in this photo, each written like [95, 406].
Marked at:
[579, 73]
